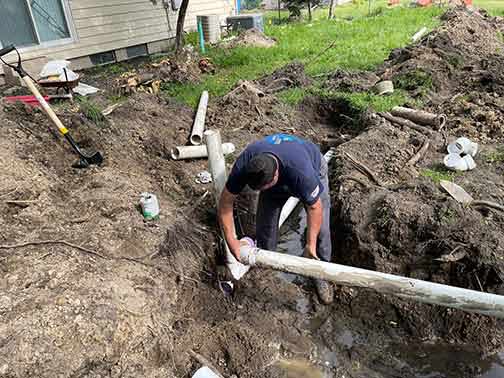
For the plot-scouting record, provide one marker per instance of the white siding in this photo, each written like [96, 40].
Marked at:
[114, 24]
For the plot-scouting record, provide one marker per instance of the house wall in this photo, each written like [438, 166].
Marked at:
[101, 26]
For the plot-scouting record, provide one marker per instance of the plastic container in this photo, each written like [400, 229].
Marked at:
[150, 206]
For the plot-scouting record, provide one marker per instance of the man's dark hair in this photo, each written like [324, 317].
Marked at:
[261, 171]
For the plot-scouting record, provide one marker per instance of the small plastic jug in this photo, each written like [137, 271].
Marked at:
[150, 206]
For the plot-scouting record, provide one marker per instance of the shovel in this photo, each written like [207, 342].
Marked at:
[460, 195]
[85, 160]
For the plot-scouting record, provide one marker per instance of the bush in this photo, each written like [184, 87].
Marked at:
[295, 6]
[251, 4]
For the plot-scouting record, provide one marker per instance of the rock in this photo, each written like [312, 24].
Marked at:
[5, 303]
[12, 91]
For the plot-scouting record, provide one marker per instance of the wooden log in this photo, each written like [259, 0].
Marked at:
[403, 287]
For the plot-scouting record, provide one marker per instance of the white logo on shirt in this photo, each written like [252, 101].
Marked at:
[315, 192]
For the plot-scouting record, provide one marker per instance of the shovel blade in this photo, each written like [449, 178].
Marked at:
[95, 159]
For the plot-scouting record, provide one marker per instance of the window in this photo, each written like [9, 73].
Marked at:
[103, 58]
[33, 22]
[138, 50]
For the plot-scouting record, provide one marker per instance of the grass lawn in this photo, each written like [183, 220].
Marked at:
[360, 42]
[495, 7]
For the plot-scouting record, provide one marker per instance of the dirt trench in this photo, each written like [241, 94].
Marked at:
[128, 298]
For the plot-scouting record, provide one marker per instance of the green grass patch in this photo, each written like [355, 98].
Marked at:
[439, 173]
[494, 7]
[115, 98]
[293, 96]
[91, 111]
[496, 156]
[367, 100]
[500, 35]
[412, 80]
[362, 43]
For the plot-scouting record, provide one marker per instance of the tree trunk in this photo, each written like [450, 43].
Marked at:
[331, 10]
[309, 11]
[179, 38]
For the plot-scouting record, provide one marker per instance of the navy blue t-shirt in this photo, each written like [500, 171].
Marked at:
[299, 166]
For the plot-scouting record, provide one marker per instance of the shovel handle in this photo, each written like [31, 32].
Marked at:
[54, 118]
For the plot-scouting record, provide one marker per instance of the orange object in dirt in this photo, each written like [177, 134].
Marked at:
[424, 3]
[468, 2]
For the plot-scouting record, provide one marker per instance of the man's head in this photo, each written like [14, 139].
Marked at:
[262, 172]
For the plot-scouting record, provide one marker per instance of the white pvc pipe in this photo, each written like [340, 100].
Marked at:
[194, 152]
[199, 121]
[419, 34]
[407, 288]
[217, 167]
[292, 202]
[420, 116]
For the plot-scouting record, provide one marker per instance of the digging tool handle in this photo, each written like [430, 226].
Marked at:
[7, 50]
[31, 86]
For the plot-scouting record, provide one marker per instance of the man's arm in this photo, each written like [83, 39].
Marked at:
[314, 220]
[226, 221]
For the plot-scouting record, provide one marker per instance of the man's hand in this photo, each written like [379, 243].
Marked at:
[310, 252]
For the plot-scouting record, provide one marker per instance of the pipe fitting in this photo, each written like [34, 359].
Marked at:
[248, 255]
[455, 162]
[384, 87]
[463, 146]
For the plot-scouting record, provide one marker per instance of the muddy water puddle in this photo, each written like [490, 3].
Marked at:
[447, 361]
[301, 369]
[420, 360]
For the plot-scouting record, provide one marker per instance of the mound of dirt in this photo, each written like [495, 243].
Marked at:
[458, 69]
[351, 81]
[250, 38]
[145, 76]
[289, 76]
[405, 223]
[94, 308]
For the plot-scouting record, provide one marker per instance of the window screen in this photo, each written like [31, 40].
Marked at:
[31, 22]
[16, 25]
[50, 19]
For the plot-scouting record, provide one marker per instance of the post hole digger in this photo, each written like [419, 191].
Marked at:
[84, 159]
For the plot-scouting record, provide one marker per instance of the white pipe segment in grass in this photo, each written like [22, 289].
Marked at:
[217, 167]
[406, 288]
[292, 202]
[199, 122]
[419, 35]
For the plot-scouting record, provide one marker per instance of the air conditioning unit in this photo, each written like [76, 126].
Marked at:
[246, 21]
